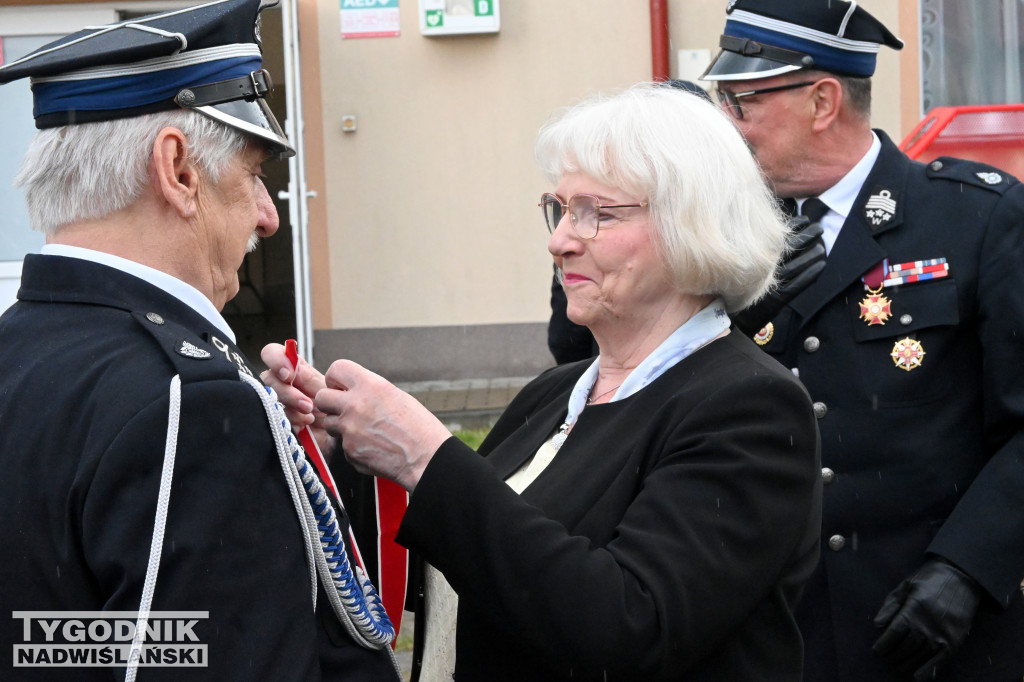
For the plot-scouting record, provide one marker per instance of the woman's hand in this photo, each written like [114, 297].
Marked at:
[383, 430]
[296, 388]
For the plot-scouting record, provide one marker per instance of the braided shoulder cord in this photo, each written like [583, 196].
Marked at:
[156, 545]
[354, 599]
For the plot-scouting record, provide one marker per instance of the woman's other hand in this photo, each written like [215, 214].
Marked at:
[384, 431]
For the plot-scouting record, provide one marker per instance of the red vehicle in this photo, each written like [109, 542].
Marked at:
[990, 133]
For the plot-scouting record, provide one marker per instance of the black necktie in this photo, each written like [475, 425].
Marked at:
[814, 208]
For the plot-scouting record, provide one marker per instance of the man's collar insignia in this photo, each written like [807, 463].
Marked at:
[190, 350]
[880, 208]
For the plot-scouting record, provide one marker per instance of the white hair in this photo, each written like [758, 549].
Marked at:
[716, 224]
[91, 170]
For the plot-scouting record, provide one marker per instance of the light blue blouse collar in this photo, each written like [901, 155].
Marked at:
[711, 321]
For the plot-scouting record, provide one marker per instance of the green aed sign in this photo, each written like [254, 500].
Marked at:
[459, 17]
[435, 18]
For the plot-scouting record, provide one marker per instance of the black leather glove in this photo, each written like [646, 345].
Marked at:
[800, 267]
[926, 618]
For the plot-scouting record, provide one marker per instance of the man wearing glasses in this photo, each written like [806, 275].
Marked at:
[910, 343]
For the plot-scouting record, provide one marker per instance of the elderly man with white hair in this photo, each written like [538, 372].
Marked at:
[150, 484]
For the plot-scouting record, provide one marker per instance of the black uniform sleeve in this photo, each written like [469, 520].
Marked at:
[985, 533]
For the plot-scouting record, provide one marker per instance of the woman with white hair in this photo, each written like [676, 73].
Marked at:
[653, 513]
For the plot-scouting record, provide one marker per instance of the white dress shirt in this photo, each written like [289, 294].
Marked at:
[840, 197]
[186, 293]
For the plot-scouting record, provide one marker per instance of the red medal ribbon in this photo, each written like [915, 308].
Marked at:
[876, 275]
[392, 500]
[392, 558]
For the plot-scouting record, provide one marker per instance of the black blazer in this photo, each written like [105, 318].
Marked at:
[926, 460]
[668, 540]
[84, 385]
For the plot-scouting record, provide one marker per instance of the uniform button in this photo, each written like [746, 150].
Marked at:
[796, 372]
[811, 344]
[936, 165]
[836, 543]
[906, 319]
[827, 475]
[820, 410]
[154, 318]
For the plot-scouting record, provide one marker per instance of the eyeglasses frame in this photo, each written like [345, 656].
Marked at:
[572, 216]
[732, 99]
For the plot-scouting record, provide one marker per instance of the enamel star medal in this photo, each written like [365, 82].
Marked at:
[907, 354]
[875, 308]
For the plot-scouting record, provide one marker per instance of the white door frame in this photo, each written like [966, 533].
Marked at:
[298, 193]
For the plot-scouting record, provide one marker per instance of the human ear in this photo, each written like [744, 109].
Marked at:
[176, 176]
[826, 99]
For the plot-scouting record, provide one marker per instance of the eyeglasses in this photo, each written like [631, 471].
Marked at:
[585, 212]
[731, 100]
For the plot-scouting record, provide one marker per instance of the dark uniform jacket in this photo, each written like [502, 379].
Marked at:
[86, 361]
[669, 539]
[928, 459]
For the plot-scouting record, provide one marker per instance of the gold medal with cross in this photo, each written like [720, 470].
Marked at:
[875, 308]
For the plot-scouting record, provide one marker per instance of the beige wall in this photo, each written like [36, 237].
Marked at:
[428, 254]
[431, 203]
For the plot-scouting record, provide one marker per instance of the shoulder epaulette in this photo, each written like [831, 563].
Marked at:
[973, 173]
[193, 358]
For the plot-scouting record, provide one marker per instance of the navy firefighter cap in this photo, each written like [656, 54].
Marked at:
[207, 58]
[769, 37]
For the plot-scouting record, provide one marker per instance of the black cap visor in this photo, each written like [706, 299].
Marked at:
[731, 66]
[253, 118]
